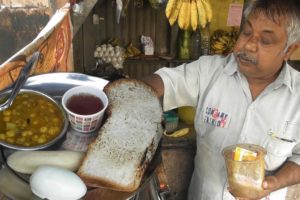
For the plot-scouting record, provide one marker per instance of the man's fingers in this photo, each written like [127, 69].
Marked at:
[265, 184]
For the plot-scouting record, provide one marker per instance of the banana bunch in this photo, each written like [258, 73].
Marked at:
[189, 13]
[222, 42]
[132, 51]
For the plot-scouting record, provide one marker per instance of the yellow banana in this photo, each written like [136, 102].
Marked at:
[217, 45]
[175, 12]
[187, 23]
[208, 10]
[201, 14]
[194, 15]
[179, 133]
[224, 39]
[171, 5]
[183, 14]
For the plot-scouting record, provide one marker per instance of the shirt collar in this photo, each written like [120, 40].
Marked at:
[284, 77]
[230, 65]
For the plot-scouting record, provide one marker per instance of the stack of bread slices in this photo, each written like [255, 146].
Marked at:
[128, 139]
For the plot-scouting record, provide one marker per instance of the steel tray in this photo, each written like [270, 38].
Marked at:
[55, 85]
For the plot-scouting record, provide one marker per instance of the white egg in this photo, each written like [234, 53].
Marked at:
[120, 59]
[108, 59]
[96, 54]
[111, 53]
[98, 49]
[55, 183]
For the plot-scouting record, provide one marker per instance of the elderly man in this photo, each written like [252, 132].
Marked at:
[256, 93]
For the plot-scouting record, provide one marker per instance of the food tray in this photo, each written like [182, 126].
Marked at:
[55, 85]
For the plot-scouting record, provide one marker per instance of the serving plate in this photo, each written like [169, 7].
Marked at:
[55, 85]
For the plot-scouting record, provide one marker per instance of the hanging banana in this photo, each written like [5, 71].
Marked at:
[189, 13]
[183, 15]
[208, 10]
[194, 15]
[201, 14]
[175, 12]
[171, 5]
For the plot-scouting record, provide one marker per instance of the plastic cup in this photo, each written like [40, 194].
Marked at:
[245, 177]
[84, 123]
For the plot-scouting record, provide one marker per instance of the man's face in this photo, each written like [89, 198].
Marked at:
[260, 47]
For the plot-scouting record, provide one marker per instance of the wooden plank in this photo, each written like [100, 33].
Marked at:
[78, 51]
[140, 25]
[173, 40]
[162, 33]
[132, 19]
[100, 10]
[90, 40]
[109, 20]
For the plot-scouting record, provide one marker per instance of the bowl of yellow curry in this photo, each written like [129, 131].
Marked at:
[34, 121]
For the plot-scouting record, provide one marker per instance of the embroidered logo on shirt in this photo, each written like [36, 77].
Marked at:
[215, 117]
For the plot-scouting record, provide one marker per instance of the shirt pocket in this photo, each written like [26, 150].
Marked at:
[279, 146]
[291, 131]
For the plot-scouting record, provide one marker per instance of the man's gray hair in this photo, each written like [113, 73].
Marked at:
[273, 9]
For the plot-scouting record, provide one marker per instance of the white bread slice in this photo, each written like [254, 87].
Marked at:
[128, 139]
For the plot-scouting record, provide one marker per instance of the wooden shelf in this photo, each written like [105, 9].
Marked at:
[156, 60]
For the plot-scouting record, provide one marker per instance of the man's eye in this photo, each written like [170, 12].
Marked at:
[246, 33]
[265, 41]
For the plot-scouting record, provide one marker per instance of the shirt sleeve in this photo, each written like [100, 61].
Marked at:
[181, 85]
[184, 84]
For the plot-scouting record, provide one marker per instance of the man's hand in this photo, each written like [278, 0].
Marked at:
[288, 174]
[269, 184]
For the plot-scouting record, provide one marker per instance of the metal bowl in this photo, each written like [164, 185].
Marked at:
[49, 143]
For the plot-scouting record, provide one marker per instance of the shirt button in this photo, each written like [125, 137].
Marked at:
[242, 139]
[252, 108]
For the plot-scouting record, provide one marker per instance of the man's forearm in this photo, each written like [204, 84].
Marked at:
[288, 174]
[156, 83]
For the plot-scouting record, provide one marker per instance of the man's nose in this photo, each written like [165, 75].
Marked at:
[251, 44]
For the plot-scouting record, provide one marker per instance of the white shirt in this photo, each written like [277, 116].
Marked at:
[226, 115]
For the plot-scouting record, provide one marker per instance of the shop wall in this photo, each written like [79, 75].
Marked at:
[21, 21]
[139, 20]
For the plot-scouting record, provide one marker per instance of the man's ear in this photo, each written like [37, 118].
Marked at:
[291, 50]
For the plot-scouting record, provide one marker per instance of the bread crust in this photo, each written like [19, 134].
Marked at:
[143, 158]
[127, 80]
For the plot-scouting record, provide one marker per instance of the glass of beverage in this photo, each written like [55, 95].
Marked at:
[85, 107]
[245, 169]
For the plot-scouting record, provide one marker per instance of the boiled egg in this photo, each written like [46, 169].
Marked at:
[55, 183]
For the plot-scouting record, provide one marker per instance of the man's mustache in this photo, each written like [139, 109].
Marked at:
[244, 56]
